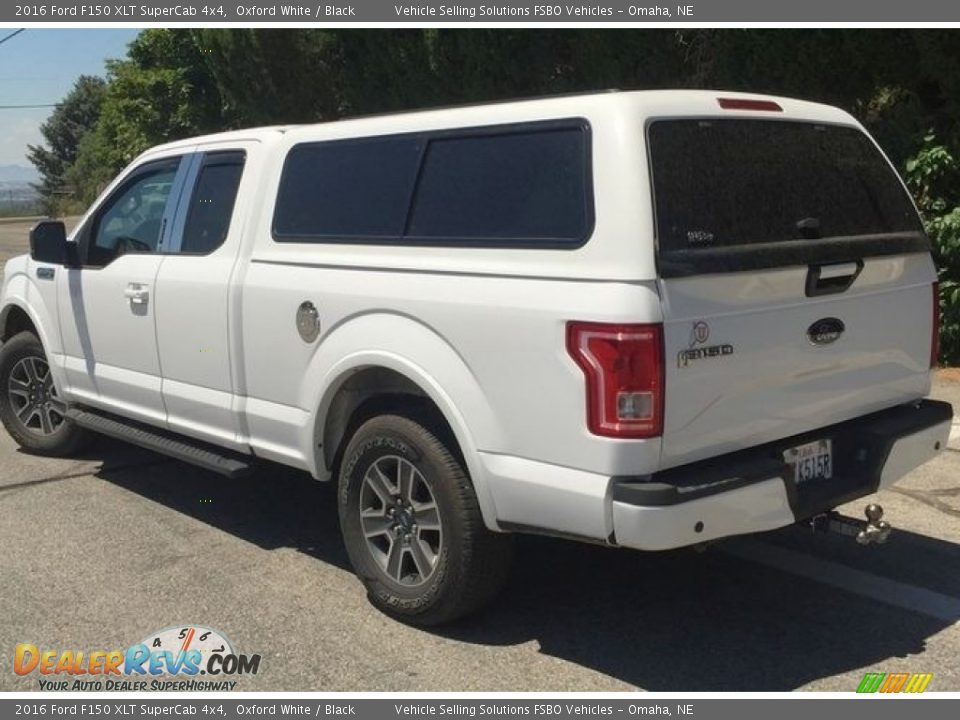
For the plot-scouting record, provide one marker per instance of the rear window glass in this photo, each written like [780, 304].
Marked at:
[720, 183]
[211, 205]
[509, 185]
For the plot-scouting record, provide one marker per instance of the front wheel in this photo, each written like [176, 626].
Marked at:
[412, 525]
[30, 406]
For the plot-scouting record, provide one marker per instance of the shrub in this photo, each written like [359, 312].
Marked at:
[933, 176]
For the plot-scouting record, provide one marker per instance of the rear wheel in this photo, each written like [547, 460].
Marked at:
[31, 408]
[412, 525]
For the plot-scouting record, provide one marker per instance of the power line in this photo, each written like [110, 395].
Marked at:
[13, 34]
[23, 107]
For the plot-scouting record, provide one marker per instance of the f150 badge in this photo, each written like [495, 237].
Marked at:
[699, 334]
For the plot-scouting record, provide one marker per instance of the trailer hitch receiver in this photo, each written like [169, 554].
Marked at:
[874, 530]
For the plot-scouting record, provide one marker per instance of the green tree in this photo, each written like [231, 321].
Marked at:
[933, 175]
[272, 76]
[63, 131]
[163, 91]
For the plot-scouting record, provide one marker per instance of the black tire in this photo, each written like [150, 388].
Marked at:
[469, 562]
[46, 432]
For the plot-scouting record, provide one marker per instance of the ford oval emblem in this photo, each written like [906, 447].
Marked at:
[825, 330]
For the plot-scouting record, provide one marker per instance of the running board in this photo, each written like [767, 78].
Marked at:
[195, 452]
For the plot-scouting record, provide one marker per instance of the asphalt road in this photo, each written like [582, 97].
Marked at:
[100, 550]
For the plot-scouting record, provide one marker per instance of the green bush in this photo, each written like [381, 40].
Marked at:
[933, 176]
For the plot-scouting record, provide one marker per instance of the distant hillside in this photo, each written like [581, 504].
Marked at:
[16, 193]
[18, 174]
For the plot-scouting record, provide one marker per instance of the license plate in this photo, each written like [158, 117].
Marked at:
[811, 461]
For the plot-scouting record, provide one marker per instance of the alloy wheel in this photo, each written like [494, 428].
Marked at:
[34, 397]
[400, 521]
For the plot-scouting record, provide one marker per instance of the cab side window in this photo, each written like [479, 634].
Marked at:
[212, 201]
[132, 218]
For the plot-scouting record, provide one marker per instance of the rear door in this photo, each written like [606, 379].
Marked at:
[193, 305]
[796, 281]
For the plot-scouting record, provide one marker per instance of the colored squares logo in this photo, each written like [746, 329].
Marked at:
[894, 682]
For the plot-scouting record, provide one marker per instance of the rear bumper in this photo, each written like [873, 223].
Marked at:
[754, 490]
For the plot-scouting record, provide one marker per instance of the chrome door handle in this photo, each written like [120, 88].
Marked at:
[136, 293]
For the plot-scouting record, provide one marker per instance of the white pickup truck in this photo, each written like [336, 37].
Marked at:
[643, 319]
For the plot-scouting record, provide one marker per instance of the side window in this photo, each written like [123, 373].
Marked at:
[212, 201]
[347, 189]
[131, 220]
[523, 186]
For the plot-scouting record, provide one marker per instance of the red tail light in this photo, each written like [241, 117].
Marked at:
[935, 332]
[745, 104]
[623, 365]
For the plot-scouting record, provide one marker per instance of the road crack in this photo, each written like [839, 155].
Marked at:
[27, 484]
[929, 499]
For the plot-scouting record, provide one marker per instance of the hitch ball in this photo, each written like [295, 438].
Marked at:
[876, 530]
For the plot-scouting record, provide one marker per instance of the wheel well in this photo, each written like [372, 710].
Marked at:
[16, 321]
[375, 391]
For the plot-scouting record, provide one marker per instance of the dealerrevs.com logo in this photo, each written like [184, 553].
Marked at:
[178, 658]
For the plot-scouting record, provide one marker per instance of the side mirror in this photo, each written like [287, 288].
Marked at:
[48, 242]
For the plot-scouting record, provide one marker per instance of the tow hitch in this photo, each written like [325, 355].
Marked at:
[873, 530]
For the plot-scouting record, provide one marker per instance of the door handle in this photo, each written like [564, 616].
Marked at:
[136, 293]
[827, 279]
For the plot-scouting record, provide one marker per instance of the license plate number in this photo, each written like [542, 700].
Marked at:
[811, 461]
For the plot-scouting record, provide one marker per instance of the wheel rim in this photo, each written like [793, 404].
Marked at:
[400, 521]
[34, 397]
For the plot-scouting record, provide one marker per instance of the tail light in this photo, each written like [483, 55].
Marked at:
[935, 331]
[623, 365]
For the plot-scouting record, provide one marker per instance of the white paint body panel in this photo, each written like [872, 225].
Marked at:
[196, 329]
[777, 383]
[110, 342]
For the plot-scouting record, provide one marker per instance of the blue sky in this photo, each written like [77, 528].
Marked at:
[39, 66]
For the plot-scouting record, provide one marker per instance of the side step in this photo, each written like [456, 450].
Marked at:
[195, 452]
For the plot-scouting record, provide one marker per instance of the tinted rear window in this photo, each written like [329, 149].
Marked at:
[721, 183]
[507, 185]
[211, 205]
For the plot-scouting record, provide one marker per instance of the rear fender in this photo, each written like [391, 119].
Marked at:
[419, 354]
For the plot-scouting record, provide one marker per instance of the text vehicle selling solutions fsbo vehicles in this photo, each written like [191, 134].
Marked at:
[644, 319]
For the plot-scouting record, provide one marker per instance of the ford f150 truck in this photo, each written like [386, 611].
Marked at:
[642, 319]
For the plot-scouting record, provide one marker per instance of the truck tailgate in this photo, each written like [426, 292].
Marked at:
[742, 368]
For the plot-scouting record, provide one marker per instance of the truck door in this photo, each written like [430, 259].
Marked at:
[107, 303]
[195, 322]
